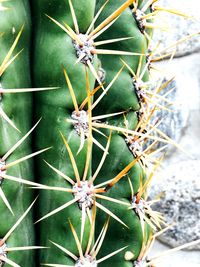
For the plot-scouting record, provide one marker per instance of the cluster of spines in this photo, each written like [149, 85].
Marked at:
[84, 190]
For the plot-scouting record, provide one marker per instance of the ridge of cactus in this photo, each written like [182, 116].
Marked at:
[15, 112]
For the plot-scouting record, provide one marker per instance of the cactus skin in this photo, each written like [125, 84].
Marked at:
[56, 107]
[18, 108]
[61, 52]
[121, 97]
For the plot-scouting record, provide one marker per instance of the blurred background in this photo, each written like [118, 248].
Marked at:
[178, 181]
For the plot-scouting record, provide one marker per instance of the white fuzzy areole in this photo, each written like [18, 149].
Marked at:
[85, 51]
[80, 121]
[140, 206]
[88, 262]
[3, 253]
[84, 193]
[2, 164]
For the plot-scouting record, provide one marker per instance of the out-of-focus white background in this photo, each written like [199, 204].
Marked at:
[179, 178]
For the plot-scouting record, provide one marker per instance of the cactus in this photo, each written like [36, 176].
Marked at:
[16, 112]
[92, 168]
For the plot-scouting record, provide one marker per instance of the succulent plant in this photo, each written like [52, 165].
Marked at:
[81, 70]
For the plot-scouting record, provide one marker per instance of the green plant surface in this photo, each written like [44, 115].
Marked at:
[94, 161]
[54, 44]
[16, 112]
